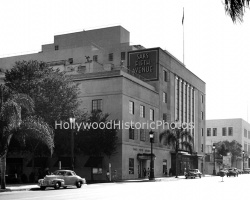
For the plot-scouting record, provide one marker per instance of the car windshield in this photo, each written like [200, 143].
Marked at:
[193, 170]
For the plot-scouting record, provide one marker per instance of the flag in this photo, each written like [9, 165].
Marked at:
[183, 17]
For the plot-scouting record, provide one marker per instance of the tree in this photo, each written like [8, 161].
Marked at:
[100, 140]
[233, 147]
[236, 9]
[175, 138]
[11, 107]
[54, 94]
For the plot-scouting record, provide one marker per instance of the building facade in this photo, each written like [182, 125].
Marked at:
[146, 87]
[218, 130]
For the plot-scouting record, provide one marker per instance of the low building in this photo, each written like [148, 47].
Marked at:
[218, 130]
[132, 83]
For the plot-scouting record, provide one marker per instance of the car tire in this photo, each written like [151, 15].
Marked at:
[78, 184]
[42, 187]
[64, 187]
[57, 185]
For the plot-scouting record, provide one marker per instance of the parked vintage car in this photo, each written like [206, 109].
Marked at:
[232, 172]
[61, 178]
[246, 171]
[193, 173]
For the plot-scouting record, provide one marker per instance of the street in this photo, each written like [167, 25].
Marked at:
[196, 189]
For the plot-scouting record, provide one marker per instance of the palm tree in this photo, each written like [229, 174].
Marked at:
[236, 9]
[177, 138]
[11, 108]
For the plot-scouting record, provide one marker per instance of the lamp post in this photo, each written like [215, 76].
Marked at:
[72, 123]
[214, 171]
[151, 136]
[243, 152]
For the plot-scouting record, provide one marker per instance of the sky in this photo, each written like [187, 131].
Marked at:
[215, 49]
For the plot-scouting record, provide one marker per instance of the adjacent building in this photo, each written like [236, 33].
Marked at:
[228, 129]
[134, 84]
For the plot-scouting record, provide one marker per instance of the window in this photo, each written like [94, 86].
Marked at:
[164, 97]
[131, 165]
[142, 135]
[248, 134]
[97, 170]
[56, 47]
[224, 131]
[151, 115]
[123, 55]
[201, 147]
[70, 60]
[111, 57]
[164, 117]
[208, 131]
[230, 131]
[214, 131]
[202, 98]
[165, 75]
[95, 58]
[202, 115]
[245, 133]
[142, 111]
[201, 131]
[131, 133]
[131, 107]
[97, 104]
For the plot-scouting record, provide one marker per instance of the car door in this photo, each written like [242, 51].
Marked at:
[69, 179]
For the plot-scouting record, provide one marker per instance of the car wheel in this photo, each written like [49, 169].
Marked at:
[78, 184]
[57, 186]
[64, 187]
[200, 176]
[43, 187]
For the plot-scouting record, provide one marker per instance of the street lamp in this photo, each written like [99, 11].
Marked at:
[214, 171]
[151, 136]
[243, 152]
[72, 123]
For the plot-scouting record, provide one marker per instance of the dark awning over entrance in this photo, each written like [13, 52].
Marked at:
[145, 156]
[95, 162]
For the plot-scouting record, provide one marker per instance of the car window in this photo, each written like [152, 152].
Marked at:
[68, 174]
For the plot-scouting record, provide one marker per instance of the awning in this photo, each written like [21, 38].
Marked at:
[95, 162]
[145, 156]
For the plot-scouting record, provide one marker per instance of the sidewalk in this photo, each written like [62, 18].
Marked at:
[19, 187]
[33, 186]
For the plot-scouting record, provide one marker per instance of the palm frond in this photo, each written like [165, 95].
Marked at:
[11, 114]
[167, 137]
[187, 145]
[24, 101]
[40, 130]
[236, 8]
[186, 135]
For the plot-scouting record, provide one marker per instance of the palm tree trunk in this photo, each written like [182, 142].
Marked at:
[3, 170]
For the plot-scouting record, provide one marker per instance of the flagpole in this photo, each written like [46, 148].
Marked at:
[183, 33]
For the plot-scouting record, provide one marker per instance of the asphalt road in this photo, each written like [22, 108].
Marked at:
[209, 188]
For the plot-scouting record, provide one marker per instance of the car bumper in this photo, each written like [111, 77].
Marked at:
[50, 183]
